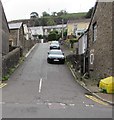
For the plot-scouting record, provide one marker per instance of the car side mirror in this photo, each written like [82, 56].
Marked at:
[63, 53]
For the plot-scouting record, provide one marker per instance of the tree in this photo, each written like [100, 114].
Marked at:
[50, 22]
[54, 14]
[34, 15]
[89, 13]
[53, 35]
[65, 34]
[40, 36]
[44, 14]
[43, 21]
[62, 12]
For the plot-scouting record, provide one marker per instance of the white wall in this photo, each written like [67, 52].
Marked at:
[82, 44]
[37, 30]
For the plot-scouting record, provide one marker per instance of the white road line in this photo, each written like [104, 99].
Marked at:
[40, 85]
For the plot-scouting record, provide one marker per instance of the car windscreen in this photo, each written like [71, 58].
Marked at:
[55, 52]
[53, 44]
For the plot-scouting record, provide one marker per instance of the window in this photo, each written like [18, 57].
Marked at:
[91, 59]
[95, 31]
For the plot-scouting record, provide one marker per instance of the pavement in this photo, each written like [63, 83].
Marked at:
[88, 84]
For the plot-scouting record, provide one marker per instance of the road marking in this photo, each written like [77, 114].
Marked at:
[40, 85]
[2, 85]
[96, 100]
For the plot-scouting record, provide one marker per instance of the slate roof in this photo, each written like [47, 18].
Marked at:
[14, 25]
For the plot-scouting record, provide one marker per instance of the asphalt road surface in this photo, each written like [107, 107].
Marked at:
[38, 89]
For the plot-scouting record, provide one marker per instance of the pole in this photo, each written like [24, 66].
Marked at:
[62, 28]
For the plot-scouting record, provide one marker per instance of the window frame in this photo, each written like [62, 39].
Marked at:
[94, 31]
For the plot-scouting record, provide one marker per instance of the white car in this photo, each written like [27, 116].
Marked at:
[55, 42]
[54, 46]
[56, 56]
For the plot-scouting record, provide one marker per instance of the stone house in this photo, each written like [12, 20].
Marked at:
[4, 37]
[4, 30]
[100, 35]
[16, 34]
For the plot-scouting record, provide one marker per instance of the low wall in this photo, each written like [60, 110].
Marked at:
[28, 44]
[10, 60]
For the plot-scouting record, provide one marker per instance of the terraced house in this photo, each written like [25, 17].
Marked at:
[4, 29]
[99, 37]
[4, 37]
[95, 45]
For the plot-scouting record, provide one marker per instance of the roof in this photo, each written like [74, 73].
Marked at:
[15, 25]
[78, 21]
[93, 13]
[55, 26]
[1, 8]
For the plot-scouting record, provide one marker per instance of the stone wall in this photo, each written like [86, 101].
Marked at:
[113, 39]
[102, 47]
[10, 60]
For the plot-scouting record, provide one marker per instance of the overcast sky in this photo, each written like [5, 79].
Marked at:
[21, 9]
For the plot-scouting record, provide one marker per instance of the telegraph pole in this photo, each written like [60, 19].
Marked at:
[62, 28]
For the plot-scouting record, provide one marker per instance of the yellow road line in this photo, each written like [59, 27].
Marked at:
[2, 85]
[96, 100]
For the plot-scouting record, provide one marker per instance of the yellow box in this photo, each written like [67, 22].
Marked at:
[107, 84]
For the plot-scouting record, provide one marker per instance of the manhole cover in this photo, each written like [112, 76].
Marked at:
[56, 105]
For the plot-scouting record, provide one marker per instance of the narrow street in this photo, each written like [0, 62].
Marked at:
[38, 89]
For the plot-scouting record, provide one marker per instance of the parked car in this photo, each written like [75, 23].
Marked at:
[55, 42]
[56, 56]
[54, 46]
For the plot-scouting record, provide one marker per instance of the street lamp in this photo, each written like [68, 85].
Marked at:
[62, 28]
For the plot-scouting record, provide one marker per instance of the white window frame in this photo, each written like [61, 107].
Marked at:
[94, 32]
[91, 59]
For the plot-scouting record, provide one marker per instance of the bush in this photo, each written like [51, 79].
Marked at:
[72, 41]
[53, 35]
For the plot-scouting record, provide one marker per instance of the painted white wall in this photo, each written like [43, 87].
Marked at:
[82, 44]
[36, 30]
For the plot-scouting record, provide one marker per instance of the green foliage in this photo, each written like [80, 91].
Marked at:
[5, 78]
[34, 15]
[40, 36]
[43, 21]
[45, 14]
[54, 19]
[73, 40]
[53, 35]
[11, 70]
[74, 16]
[54, 14]
[51, 22]
[62, 12]
[89, 13]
